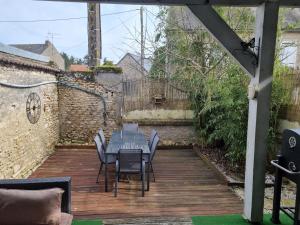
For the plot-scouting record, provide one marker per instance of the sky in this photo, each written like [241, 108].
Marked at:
[120, 31]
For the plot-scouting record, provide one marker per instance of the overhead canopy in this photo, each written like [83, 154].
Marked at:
[257, 63]
[286, 3]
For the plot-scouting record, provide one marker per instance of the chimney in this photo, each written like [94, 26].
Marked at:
[47, 43]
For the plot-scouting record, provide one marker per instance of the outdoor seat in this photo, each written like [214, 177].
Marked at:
[101, 154]
[130, 161]
[151, 139]
[102, 138]
[36, 184]
[153, 149]
[132, 127]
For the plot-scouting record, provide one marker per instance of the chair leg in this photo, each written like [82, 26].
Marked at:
[152, 170]
[97, 181]
[143, 185]
[116, 184]
[101, 166]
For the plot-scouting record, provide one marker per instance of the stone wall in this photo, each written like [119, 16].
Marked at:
[110, 80]
[82, 113]
[24, 145]
[171, 135]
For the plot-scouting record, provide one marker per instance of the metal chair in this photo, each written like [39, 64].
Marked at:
[102, 138]
[130, 161]
[152, 154]
[132, 127]
[152, 136]
[100, 151]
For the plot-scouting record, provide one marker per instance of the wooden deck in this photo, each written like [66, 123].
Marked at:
[184, 186]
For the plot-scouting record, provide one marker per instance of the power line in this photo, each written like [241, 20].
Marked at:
[63, 19]
[104, 32]
[116, 13]
[42, 20]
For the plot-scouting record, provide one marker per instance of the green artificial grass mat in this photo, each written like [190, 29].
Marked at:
[235, 220]
[87, 222]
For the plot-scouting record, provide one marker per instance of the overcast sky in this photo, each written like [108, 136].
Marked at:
[70, 36]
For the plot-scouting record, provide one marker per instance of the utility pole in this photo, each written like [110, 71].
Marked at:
[94, 34]
[142, 40]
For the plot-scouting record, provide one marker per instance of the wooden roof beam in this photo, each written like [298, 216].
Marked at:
[226, 37]
[241, 3]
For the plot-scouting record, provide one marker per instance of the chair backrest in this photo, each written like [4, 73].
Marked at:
[152, 136]
[102, 138]
[99, 147]
[154, 146]
[130, 160]
[133, 127]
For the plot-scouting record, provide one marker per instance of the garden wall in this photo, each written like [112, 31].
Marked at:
[82, 111]
[24, 145]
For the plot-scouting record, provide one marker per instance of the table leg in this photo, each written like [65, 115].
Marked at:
[148, 173]
[106, 178]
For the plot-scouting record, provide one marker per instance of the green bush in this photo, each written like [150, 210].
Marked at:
[217, 85]
[108, 68]
[222, 113]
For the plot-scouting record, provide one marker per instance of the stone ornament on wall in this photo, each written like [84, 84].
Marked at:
[33, 107]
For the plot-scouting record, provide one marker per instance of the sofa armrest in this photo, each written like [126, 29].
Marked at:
[43, 183]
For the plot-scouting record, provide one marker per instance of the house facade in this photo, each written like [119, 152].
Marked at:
[131, 67]
[290, 54]
[46, 49]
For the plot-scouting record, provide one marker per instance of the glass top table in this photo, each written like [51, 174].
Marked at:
[127, 140]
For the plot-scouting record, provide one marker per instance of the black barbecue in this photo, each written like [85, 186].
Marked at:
[288, 166]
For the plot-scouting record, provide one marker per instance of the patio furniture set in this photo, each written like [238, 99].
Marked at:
[130, 152]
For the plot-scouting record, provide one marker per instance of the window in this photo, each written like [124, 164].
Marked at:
[288, 54]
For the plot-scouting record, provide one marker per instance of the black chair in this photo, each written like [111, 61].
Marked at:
[132, 127]
[152, 136]
[100, 151]
[130, 161]
[152, 154]
[102, 138]
[43, 183]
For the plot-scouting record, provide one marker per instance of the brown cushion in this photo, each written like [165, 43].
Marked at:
[38, 207]
[66, 219]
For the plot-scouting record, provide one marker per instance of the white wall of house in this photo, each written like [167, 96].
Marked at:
[54, 55]
[290, 53]
[131, 69]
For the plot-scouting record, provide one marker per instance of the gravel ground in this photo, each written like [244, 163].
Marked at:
[288, 195]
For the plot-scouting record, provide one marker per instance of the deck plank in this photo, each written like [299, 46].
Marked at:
[185, 186]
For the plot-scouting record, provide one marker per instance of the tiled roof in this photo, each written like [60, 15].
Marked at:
[78, 68]
[35, 48]
[9, 59]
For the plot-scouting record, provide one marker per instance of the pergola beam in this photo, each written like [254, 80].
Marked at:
[261, 78]
[241, 3]
[226, 37]
[259, 111]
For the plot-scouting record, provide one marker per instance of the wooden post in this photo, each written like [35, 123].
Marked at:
[259, 111]
[142, 40]
[94, 34]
